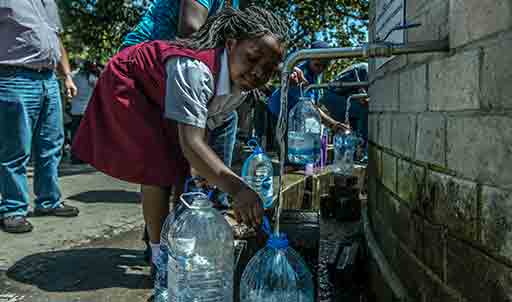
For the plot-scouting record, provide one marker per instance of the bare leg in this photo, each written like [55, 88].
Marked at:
[155, 207]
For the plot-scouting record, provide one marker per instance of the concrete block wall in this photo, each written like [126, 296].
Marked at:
[440, 171]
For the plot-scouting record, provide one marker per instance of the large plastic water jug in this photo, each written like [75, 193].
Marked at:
[160, 289]
[345, 145]
[257, 171]
[277, 274]
[160, 286]
[197, 255]
[304, 127]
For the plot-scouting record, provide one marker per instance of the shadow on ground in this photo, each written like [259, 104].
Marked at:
[86, 269]
[110, 196]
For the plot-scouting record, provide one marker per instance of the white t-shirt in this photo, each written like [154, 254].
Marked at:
[85, 83]
[190, 98]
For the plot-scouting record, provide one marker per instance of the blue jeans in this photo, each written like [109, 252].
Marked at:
[30, 120]
[222, 140]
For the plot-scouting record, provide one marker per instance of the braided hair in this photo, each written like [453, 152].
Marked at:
[229, 23]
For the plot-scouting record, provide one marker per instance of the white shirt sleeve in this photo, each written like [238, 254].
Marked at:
[189, 87]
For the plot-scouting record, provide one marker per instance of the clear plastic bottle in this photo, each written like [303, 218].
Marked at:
[304, 127]
[277, 274]
[160, 289]
[200, 256]
[258, 172]
[345, 145]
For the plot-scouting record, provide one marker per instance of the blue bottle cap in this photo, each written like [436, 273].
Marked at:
[278, 241]
[256, 148]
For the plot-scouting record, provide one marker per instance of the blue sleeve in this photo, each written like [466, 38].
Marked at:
[206, 3]
[274, 102]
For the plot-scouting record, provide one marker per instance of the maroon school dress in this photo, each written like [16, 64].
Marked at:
[124, 132]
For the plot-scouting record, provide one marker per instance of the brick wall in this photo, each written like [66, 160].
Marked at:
[441, 154]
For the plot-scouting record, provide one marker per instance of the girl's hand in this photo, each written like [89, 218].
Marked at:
[297, 77]
[248, 207]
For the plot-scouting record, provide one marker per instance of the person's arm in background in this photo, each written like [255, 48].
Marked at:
[65, 70]
[332, 123]
[192, 16]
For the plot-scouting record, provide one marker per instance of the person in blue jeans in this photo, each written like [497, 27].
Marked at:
[169, 20]
[31, 111]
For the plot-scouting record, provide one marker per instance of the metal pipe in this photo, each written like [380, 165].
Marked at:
[336, 84]
[383, 49]
[358, 96]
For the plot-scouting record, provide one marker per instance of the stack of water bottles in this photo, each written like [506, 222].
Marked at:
[196, 260]
[345, 145]
[257, 171]
[304, 130]
[276, 274]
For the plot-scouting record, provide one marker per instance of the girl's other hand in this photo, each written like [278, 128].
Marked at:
[248, 207]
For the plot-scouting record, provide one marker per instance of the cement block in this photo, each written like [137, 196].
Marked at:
[378, 288]
[497, 221]
[480, 148]
[454, 82]
[389, 171]
[392, 65]
[433, 18]
[471, 20]
[497, 75]
[404, 134]
[385, 130]
[396, 219]
[414, 8]
[386, 239]
[373, 127]
[410, 183]
[384, 94]
[434, 248]
[374, 162]
[439, 15]
[452, 202]
[372, 196]
[434, 26]
[475, 275]
[431, 139]
[422, 284]
[413, 90]
[435, 290]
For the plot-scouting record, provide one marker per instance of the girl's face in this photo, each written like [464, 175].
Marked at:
[253, 62]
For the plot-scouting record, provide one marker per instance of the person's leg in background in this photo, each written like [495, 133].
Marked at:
[48, 139]
[20, 103]
[222, 140]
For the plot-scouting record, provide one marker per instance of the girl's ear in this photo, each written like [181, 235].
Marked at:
[230, 44]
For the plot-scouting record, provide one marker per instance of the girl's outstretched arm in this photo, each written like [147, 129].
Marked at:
[204, 160]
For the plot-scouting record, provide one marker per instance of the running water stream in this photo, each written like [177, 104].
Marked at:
[347, 110]
[282, 127]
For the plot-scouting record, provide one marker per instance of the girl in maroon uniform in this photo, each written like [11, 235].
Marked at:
[148, 118]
